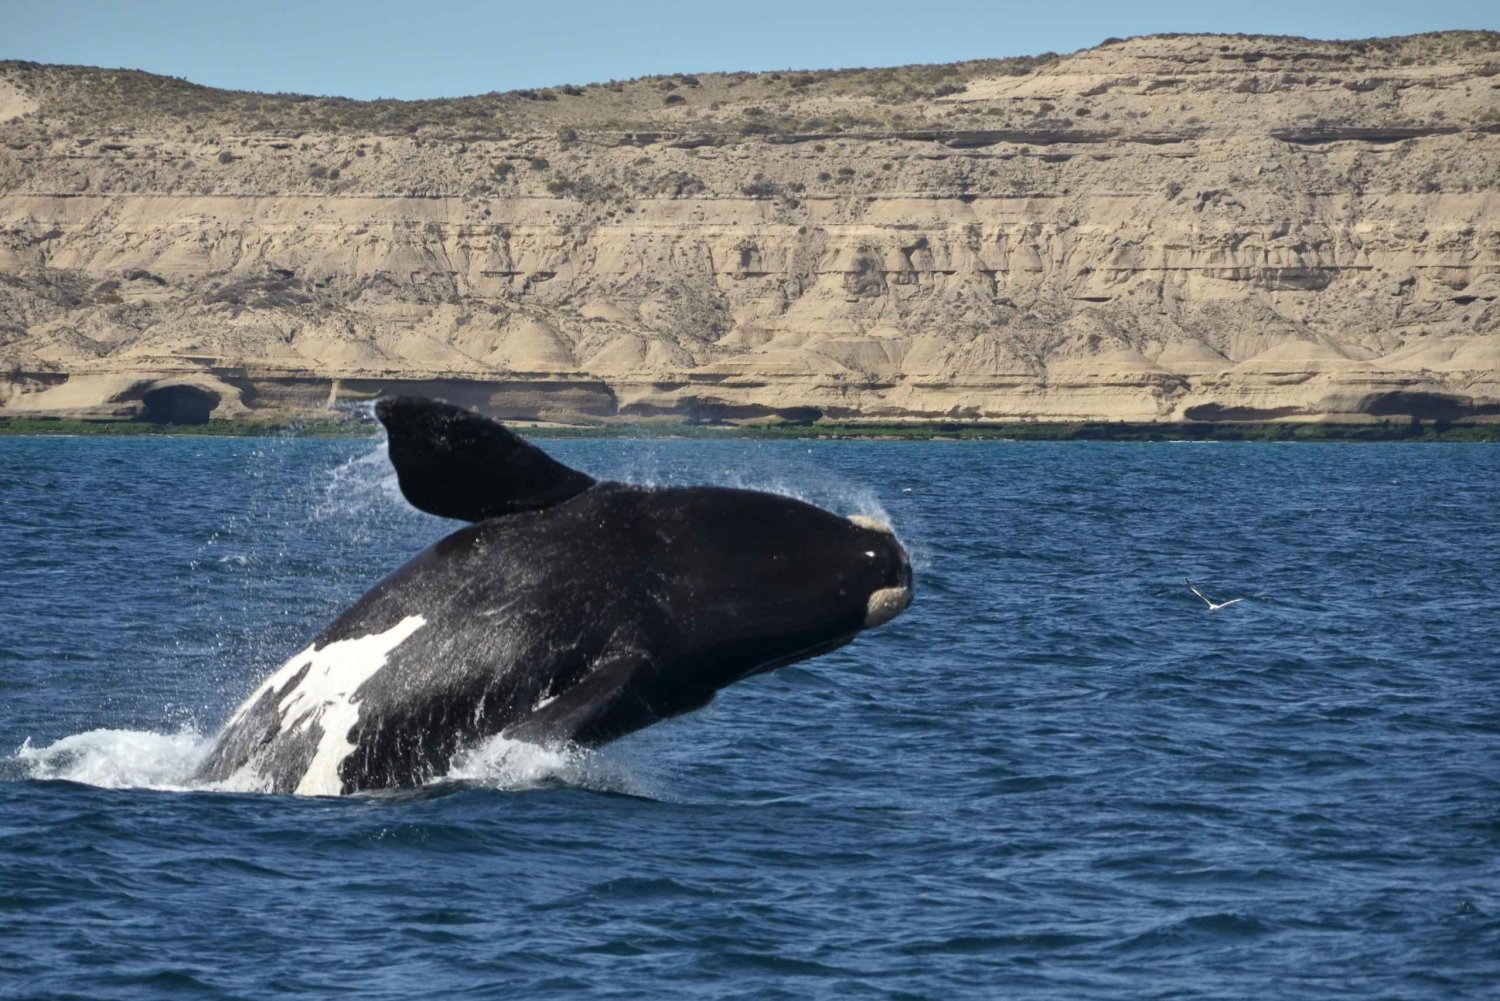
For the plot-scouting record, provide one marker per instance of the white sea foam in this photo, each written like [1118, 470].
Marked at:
[139, 759]
[514, 765]
[117, 759]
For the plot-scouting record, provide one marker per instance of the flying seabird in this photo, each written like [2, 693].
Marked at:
[1212, 606]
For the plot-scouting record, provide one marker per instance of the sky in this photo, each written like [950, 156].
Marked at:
[408, 49]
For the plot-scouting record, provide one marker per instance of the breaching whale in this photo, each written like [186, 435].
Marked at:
[571, 611]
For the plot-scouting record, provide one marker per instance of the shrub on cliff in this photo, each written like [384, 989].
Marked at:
[761, 187]
[677, 184]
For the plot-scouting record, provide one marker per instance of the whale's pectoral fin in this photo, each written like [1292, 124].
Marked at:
[455, 464]
[612, 700]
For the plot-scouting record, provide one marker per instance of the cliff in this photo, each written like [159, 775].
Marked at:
[1164, 228]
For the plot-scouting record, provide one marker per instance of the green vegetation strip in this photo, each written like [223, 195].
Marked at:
[1018, 431]
[1029, 431]
[222, 429]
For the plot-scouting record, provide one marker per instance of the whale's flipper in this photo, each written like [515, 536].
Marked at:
[455, 464]
[593, 711]
[618, 696]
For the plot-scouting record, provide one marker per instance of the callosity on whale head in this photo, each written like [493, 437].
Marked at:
[569, 611]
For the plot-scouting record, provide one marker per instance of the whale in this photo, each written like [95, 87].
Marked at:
[568, 611]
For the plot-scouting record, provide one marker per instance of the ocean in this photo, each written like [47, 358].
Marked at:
[1058, 775]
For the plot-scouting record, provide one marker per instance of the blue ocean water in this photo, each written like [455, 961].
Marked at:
[1056, 776]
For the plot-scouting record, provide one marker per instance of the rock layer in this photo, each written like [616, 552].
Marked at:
[1171, 228]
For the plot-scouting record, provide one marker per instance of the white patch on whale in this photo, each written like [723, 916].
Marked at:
[325, 696]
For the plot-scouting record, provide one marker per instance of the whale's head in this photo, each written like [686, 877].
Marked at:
[758, 580]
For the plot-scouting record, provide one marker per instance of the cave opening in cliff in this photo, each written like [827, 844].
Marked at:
[1419, 406]
[178, 405]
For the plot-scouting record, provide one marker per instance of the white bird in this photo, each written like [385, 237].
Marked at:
[1212, 606]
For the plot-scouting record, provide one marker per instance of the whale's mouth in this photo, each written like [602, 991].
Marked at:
[885, 604]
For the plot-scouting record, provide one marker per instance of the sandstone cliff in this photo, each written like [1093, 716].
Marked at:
[1165, 228]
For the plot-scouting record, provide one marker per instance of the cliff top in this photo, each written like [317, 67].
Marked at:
[1119, 84]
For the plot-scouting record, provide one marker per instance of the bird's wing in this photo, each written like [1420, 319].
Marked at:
[1230, 602]
[1198, 593]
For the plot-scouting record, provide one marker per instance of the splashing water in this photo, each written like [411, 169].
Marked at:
[117, 759]
[358, 486]
[512, 766]
[140, 759]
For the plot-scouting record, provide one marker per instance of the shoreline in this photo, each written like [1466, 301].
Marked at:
[1405, 431]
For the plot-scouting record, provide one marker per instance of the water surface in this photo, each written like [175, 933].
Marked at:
[1057, 776]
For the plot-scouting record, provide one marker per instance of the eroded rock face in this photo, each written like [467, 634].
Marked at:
[1193, 227]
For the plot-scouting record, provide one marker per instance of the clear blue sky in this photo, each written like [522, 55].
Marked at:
[383, 48]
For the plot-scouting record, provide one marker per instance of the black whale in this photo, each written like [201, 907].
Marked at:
[572, 611]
